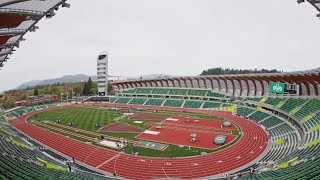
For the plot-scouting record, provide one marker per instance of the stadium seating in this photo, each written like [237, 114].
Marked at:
[143, 91]
[258, 116]
[257, 99]
[274, 101]
[154, 102]
[20, 112]
[271, 121]
[160, 91]
[175, 91]
[278, 130]
[310, 107]
[178, 91]
[208, 104]
[192, 104]
[122, 100]
[214, 94]
[196, 92]
[23, 110]
[18, 161]
[314, 121]
[173, 102]
[113, 99]
[40, 107]
[308, 170]
[138, 101]
[291, 104]
[244, 111]
[225, 105]
[15, 168]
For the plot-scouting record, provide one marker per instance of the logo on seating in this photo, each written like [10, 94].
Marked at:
[277, 88]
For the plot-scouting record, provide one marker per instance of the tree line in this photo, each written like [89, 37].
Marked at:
[225, 71]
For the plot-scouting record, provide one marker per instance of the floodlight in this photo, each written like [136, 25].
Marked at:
[66, 5]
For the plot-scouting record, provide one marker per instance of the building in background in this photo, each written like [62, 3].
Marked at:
[102, 73]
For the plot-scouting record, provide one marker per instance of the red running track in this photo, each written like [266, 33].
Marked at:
[136, 167]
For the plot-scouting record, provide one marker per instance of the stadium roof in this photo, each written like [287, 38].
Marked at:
[315, 3]
[17, 17]
[236, 84]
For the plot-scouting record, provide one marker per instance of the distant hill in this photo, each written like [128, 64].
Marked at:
[77, 78]
[63, 79]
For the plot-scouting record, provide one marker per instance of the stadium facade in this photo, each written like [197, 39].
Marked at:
[308, 83]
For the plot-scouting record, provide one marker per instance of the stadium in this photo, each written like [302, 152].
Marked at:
[245, 126]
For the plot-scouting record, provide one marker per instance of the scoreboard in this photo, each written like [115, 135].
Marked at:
[284, 88]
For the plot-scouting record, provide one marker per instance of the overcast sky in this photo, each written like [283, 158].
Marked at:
[176, 37]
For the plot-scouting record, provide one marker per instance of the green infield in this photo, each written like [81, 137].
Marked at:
[85, 118]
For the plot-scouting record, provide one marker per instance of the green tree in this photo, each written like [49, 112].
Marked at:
[87, 90]
[109, 87]
[77, 90]
[94, 89]
[70, 94]
[8, 103]
[35, 92]
[55, 90]
[2, 100]
[221, 71]
[24, 96]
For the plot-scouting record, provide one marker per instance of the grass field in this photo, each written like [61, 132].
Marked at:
[86, 117]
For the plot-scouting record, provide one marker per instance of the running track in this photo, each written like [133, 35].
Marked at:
[135, 167]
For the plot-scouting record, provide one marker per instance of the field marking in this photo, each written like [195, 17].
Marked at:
[115, 156]
[171, 119]
[90, 154]
[151, 132]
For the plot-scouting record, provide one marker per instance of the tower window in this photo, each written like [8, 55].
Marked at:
[102, 57]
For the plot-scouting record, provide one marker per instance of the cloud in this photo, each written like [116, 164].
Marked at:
[178, 37]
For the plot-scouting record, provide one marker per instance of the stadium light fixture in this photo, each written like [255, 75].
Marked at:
[300, 1]
[66, 5]
[34, 28]
[50, 14]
